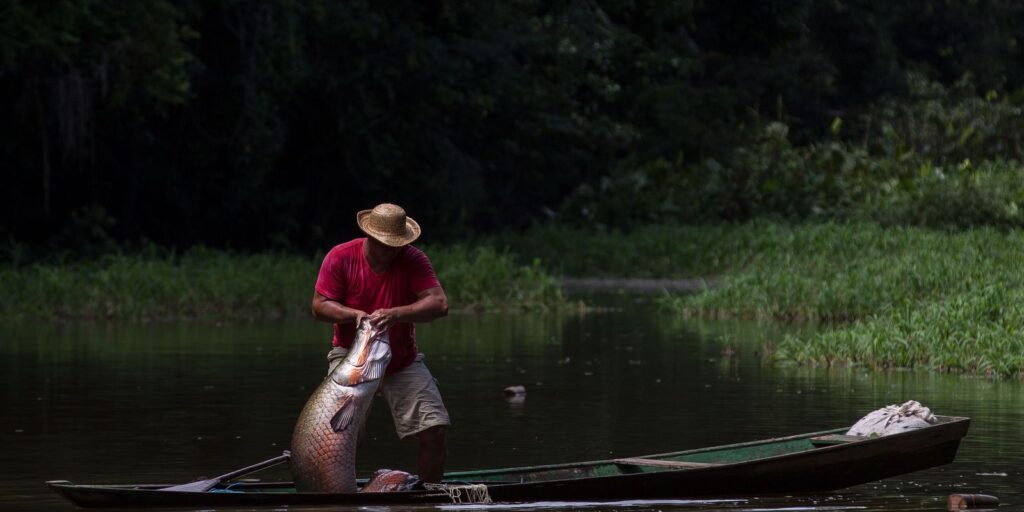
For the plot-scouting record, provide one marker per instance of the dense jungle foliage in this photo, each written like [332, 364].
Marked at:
[265, 125]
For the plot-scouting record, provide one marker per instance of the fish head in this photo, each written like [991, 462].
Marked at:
[368, 357]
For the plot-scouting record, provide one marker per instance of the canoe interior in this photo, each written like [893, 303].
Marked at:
[718, 455]
[711, 456]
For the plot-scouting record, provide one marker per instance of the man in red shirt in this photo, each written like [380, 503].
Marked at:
[392, 282]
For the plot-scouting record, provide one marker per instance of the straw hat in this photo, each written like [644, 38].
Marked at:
[388, 224]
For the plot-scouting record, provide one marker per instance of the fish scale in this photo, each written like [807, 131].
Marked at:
[327, 431]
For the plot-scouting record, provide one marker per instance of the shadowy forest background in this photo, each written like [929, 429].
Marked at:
[265, 125]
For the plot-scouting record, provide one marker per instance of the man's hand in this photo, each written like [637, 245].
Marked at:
[383, 319]
[430, 304]
[359, 317]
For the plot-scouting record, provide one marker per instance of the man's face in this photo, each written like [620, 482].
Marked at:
[380, 253]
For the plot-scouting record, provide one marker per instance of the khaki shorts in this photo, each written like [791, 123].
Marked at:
[411, 393]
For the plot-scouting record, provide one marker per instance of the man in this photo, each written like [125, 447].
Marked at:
[393, 282]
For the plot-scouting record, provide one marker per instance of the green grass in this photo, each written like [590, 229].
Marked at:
[892, 297]
[981, 332]
[483, 278]
[889, 297]
[208, 284]
[197, 284]
[898, 297]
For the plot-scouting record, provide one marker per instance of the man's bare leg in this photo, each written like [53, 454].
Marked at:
[430, 459]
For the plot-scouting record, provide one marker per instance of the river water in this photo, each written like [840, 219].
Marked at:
[168, 402]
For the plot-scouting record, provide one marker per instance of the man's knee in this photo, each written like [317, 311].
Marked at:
[434, 435]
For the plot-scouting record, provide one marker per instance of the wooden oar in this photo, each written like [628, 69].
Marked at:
[210, 483]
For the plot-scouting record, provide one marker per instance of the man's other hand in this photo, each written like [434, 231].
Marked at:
[383, 319]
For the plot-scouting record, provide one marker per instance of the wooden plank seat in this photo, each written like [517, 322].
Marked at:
[834, 439]
[673, 464]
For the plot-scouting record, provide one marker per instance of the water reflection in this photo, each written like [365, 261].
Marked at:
[97, 402]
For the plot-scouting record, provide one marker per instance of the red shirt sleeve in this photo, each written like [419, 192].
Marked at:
[421, 272]
[331, 281]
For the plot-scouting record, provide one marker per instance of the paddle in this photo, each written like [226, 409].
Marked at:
[210, 483]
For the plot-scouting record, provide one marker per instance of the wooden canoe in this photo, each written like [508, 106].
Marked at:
[800, 464]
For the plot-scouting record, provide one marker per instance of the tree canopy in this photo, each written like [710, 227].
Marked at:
[268, 124]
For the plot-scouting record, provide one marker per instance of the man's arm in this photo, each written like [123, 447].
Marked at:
[431, 304]
[327, 310]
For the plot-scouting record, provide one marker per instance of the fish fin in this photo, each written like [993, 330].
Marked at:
[343, 418]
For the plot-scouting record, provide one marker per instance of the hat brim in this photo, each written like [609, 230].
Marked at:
[412, 231]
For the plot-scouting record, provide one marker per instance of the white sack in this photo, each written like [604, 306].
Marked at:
[893, 419]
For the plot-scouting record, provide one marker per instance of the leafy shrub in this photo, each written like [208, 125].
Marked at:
[941, 125]
[956, 197]
[944, 159]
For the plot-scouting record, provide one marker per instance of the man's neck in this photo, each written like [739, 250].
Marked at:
[377, 266]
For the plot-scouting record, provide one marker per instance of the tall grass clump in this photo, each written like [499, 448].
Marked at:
[198, 283]
[980, 333]
[483, 278]
[846, 271]
[896, 297]
[210, 284]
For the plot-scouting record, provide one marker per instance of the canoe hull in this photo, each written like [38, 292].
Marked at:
[771, 467]
[830, 469]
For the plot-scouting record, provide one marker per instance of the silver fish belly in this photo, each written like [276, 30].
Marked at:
[324, 441]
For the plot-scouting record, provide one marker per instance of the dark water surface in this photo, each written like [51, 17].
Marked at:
[166, 403]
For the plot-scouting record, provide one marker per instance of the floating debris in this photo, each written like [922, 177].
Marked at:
[515, 390]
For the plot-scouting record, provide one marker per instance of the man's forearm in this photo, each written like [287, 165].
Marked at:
[423, 310]
[335, 312]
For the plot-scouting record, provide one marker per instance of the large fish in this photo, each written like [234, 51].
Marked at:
[324, 441]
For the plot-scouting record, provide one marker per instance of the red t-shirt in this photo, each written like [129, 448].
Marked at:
[346, 277]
